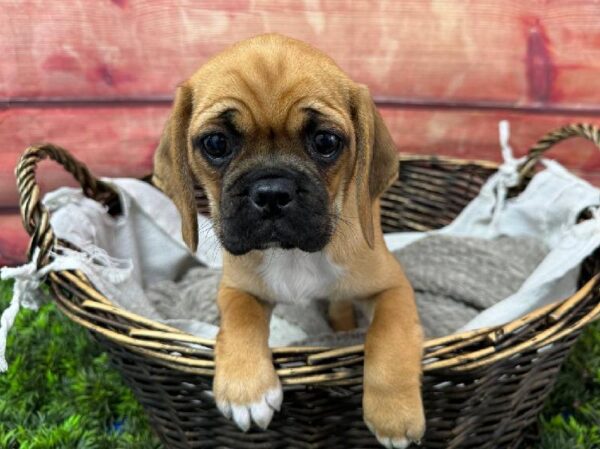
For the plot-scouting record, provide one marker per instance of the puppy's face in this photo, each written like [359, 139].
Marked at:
[270, 140]
[283, 142]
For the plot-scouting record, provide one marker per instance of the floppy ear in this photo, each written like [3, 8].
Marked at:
[376, 164]
[172, 172]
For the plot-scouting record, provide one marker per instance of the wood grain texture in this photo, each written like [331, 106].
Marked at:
[474, 135]
[13, 239]
[112, 141]
[99, 138]
[537, 53]
[121, 141]
[452, 70]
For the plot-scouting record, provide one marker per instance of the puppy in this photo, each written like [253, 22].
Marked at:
[293, 156]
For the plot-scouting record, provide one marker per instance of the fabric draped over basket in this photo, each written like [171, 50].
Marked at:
[124, 255]
[482, 389]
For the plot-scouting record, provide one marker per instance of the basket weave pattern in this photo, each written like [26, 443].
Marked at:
[482, 389]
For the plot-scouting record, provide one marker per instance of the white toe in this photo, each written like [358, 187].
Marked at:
[400, 443]
[262, 413]
[385, 441]
[274, 397]
[224, 408]
[393, 443]
[241, 416]
[389, 443]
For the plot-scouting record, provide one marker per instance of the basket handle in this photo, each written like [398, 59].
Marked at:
[34, 214]
[585, 130]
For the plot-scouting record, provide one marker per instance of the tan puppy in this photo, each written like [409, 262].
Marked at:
[293, 156]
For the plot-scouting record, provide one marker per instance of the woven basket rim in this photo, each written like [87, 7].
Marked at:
[178, 349]
[162, 332]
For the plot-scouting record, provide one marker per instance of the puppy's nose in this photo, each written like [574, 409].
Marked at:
[271, 196]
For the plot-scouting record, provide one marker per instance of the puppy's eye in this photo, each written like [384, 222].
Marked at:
[216, 146]
[326, 144]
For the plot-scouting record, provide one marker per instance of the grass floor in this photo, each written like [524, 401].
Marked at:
[61, 393]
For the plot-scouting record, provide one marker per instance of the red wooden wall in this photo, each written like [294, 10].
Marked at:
[97, 76]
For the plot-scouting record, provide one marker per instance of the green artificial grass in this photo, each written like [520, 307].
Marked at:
[60, 392]
[571, 418]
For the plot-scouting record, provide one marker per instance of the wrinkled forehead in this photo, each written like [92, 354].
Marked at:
[271, 87]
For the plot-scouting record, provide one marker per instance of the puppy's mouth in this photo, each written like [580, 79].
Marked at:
[274, 208]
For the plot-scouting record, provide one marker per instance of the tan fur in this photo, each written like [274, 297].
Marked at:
[341, 315]
[269, 80]
[243, 348]
[170, 165]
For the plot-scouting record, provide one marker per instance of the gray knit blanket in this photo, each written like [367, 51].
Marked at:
[454, 279]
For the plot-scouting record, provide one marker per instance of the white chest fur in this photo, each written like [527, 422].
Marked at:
[294, 276]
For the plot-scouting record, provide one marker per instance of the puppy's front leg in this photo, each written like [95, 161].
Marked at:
[392, 403]
[246, 386]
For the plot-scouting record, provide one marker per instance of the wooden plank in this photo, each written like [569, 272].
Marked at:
[111, 141]
[483, 52]
[121, 141]
[13, 240]
[474, 135]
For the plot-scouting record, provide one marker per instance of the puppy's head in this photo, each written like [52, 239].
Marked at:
[284, 144]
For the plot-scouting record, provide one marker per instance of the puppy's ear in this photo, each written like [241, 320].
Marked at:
[172, 173]
[376, 165]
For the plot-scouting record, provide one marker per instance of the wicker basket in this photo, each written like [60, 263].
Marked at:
[482, 389]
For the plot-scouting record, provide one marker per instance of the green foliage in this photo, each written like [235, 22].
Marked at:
[571, 418]
[61, 393]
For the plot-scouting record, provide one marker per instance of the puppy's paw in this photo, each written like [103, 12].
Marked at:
[396, 418]
[260, 411]
[247, 396]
